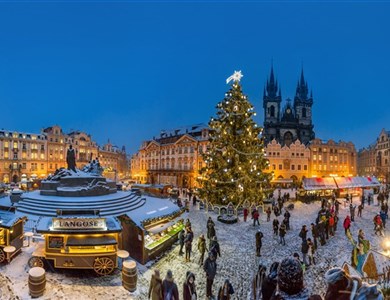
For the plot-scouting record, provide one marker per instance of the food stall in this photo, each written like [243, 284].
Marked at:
[151, 229]
[11, 233]
[79, 242]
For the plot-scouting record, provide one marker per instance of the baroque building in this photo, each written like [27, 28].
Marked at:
[173, 158]
[29, 156]
[291, 122]
[375, 159]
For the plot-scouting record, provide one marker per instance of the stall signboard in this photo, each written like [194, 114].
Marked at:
[79, 223]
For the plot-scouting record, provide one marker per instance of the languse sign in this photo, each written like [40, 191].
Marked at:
[78, 223]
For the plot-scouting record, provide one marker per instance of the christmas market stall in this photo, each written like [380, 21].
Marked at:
[11, 234]
[78, 241]
[315, 188]
[151, 229]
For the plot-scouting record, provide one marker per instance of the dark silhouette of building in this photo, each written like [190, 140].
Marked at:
[293, 121]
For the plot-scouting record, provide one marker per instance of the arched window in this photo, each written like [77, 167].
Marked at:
[304, 112]
[288, 138]
[272, 111]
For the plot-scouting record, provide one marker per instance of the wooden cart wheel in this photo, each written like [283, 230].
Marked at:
[2, 256]
[103, 265]
[35, 262]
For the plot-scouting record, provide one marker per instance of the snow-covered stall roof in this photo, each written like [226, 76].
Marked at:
[153, 208]
[311, 184]
[356, 182]
[8, 219]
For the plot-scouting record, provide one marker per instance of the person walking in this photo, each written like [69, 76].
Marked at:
[282, 233]
[210, 268]
[303, 233]
[287, 216]
[311, 252]
[202, 248]
[189, 288]
[255, 216]
[188, 244]
[169, 287]
[155, 287]
[275, 225]
[181, 241]
[259, 236]
[269, 213]
[347, 224]
[360, 209]
[215, 248]
[225, 291]
[305, 251]
[245, 212]
[352, 211]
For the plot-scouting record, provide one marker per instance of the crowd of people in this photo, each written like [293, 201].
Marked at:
[284, 279]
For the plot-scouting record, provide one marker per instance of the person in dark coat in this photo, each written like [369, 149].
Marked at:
[215, 248]
[275, 225]
[352, 211]
[305, 251]
[155, 287]
[210, 267]
[303, 233]
[360, 209]
[189, 288]
[210, 231]
[225, 291]
[181, 241]
[194, 200]
[169, 287]
[287, 216]
[210, 221]
[255, 217]
[270, 281]
[202, 249]
[188, 243]
[259, 236]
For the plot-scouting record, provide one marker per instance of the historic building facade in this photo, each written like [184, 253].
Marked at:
[328, 158]
[173, 158]
[25, 156]
[375, 159]
[291, 122]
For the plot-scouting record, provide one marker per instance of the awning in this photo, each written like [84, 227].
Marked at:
[311, 184]
[347, 182]
[91, 241]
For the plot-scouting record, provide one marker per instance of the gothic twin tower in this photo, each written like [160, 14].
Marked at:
[293, 121]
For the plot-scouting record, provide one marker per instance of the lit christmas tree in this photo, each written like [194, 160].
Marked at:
[235, 159]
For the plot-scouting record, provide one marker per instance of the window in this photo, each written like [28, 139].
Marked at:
[42, 166]
[304, 112]
[305, 167]
[24, 166]
[299, 167]
[272, 111]
[280, 167]
[293, 167]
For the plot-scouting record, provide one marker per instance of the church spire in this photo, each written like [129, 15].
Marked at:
[272, 84]
[302, 88]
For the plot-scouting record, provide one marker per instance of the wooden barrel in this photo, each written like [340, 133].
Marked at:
[36, 281]
[129, 275]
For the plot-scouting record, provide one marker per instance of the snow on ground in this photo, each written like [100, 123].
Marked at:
[237, 263]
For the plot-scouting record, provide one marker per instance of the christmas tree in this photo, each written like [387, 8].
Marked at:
[235, 159]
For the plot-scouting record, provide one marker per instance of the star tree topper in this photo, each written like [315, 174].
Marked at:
[235, 77]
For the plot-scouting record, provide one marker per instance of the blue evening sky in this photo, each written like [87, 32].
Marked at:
[126, 70]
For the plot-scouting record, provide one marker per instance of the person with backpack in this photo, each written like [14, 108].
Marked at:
[170, 288]
[202, 248]
[189, 288]
[225, 291]
[156, 287]
[210, 267]
[181, 241]
[259, 236]
[188, 244]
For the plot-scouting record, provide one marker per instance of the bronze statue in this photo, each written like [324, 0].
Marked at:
[71, 159]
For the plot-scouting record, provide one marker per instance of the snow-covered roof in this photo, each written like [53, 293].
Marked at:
[8, 219]
[153, 208]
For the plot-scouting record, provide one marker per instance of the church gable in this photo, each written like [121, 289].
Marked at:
[185, 139]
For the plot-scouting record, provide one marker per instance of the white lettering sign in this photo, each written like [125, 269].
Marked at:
[76, 223]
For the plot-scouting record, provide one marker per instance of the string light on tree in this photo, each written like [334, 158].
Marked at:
[235, 160]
